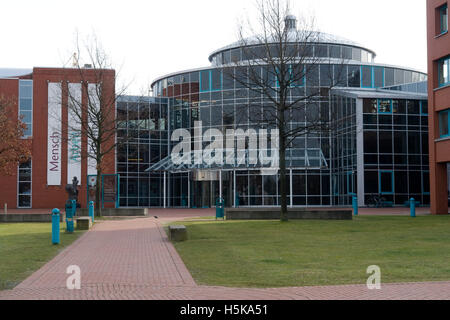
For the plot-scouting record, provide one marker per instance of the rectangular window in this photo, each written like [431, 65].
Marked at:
[24, 185]
[346, 53]
[216, 80]
[298, 75]
[321, 51]
[444, 71]
[388, 77]
[351, 183]
[335, 52]
[424, 108]
[26, 105]
[356, 54]
[378, 75]
[443, 16]
[205, 84]
[384, 106]
[366, 78]
[354, 76]
[444, 123]
[386, 182]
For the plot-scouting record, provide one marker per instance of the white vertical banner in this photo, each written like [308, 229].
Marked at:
[94, 106]
[54, 134]
[74, 133]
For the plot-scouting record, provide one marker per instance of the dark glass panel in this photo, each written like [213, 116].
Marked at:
[370, 142]
[354, 77]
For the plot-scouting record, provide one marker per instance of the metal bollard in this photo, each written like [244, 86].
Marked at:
[69, 217]
[355, 206]
[55, 226]
[220, 205]
[413, 207]
[74, 207]
[91, 211]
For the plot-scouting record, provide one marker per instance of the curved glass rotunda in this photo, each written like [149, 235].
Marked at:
[378, 145]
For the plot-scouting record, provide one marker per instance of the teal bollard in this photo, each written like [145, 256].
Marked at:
[91, 211]
[55, 227]
[69, 217]
[220, 204]
[355, 206]
[413, 207]
[74, 208]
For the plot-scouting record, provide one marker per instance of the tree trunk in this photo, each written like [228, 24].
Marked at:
[98, 194]
[282, 155]
[283, 191]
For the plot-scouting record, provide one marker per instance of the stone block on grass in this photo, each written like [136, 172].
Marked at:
[178, 233]
[84, 223]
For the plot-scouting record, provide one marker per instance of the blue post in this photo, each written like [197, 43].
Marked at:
[355, 206]
[69, 217]
[220, 204]
[91, 211]
[55, 226]
[413, 207]
[74, 207]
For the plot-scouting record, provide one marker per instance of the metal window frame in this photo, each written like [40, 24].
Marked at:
[32, 107]
[442, 62]
[443, 11]
[378, 106]
[31, 189]
[392, 182]
[441, 123]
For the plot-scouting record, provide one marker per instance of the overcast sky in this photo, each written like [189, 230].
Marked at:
[147, 39]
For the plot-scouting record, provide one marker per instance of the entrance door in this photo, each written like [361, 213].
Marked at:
[205, 189]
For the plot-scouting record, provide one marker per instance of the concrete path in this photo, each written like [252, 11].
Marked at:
[133, 259]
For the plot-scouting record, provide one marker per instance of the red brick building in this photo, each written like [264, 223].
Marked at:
[41, 182]
[439, 103]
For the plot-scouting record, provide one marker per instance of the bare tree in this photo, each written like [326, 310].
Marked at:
[92, 110]
[275, 63]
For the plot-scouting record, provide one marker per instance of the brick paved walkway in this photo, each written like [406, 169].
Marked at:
[133, 259]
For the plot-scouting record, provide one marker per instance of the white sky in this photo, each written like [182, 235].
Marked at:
[149, 38]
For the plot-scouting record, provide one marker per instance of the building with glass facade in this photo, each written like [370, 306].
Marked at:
[378, 146]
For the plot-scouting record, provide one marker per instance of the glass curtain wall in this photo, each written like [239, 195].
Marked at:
[143, 140]
[396, 150]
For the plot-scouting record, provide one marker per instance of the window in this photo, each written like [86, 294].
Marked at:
[443, 17]
[444, 71]
[354, 76]
[366, 78]
[321, 51]
[444, 123]
[424, 108]
[26, 105]
[351, 183]
[378, 74]
[335, 52]
[210, 80]
[24, 185]
[370, 106]
[389, 77]
[384, 106]
[386, 182]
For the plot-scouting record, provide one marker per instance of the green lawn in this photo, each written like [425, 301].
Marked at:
[304, 253]
[25, 247]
